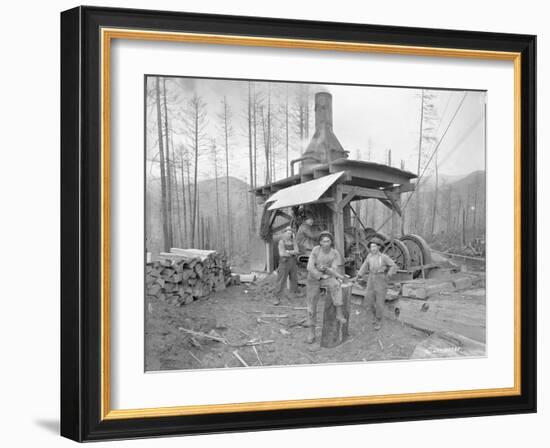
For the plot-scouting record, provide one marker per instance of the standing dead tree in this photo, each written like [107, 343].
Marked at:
[183, 161]
[251, 152]
[196, 122]
[167, 243]
[266, 130]
[226, 117]
[426, 139]
[219, 231]
[168, 166]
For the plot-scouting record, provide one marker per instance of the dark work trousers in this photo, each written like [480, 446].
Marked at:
[287, 268]
[376, 293]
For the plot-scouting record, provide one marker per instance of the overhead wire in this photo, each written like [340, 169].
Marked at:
[431, 157]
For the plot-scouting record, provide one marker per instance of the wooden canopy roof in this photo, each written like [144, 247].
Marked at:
[369, 177]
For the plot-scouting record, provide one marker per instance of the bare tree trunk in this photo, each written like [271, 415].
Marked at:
[255, 140]
[166, 237]
[476, 189]
[449, 210]
[190, 207]
[286, 131]
[168, 168]
[467, 206]
[306, 111]
[417, 216]
[250, 157]
[269, 136]
[463, 226]
[195, 190]
[434, 211]
[183, 200]
[226, 137]
[218, 221]
[266, 146]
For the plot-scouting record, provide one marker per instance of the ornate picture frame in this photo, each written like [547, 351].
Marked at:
[87, 35]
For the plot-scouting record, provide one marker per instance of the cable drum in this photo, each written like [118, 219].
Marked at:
[419, 249]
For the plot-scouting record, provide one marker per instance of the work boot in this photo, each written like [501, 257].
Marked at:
[340, 315]
[378, 325]
[277, 301]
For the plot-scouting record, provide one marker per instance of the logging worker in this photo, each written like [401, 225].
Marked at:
[323, 268]
[379, 267]
[288, 249]
[306, 236]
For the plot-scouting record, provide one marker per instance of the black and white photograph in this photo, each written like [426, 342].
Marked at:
[294, 223]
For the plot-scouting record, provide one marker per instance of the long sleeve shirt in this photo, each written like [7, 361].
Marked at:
[377, 263]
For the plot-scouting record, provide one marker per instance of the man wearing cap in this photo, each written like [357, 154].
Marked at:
[288, 249]
[379, 267]
[306, 237]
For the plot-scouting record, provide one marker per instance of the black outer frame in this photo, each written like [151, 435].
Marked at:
[80, 223]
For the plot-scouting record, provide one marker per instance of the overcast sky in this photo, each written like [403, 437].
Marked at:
[381, 118]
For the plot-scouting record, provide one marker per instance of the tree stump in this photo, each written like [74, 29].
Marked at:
[334, 333]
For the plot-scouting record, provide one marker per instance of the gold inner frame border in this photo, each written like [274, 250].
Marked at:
[107, 35]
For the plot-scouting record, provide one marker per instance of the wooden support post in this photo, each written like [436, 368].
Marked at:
[347, 216]
[269, 256]
[396, 218]
[338, 222]
[333, 332]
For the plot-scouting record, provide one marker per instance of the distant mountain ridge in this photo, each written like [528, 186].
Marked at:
[458, 181]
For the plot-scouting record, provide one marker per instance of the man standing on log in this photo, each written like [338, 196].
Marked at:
[380, 267]
[306, 236]
[323, 269]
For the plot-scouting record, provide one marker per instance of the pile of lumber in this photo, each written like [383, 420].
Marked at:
[183, 275]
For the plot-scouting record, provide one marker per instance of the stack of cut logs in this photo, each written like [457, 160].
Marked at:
[184, 275]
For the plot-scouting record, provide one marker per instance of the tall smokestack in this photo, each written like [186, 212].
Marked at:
[324, 147]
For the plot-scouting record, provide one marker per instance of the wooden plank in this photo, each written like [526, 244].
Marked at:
[403, 188]
[395, 201]
[461, 314]
[281, 227]
[272, 217]
[193, 253]
[346, 200]
[285, 215]
[386, 203]
[425, 289]
[364, 193]
[377, 173]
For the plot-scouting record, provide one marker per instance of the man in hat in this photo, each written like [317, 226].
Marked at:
[306, 237]
[323, 268]
[379, 267]
[288, 249]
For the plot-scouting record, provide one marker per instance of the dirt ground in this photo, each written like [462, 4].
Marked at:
[244, 314]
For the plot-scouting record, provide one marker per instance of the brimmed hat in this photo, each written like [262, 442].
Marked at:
[375, 241]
